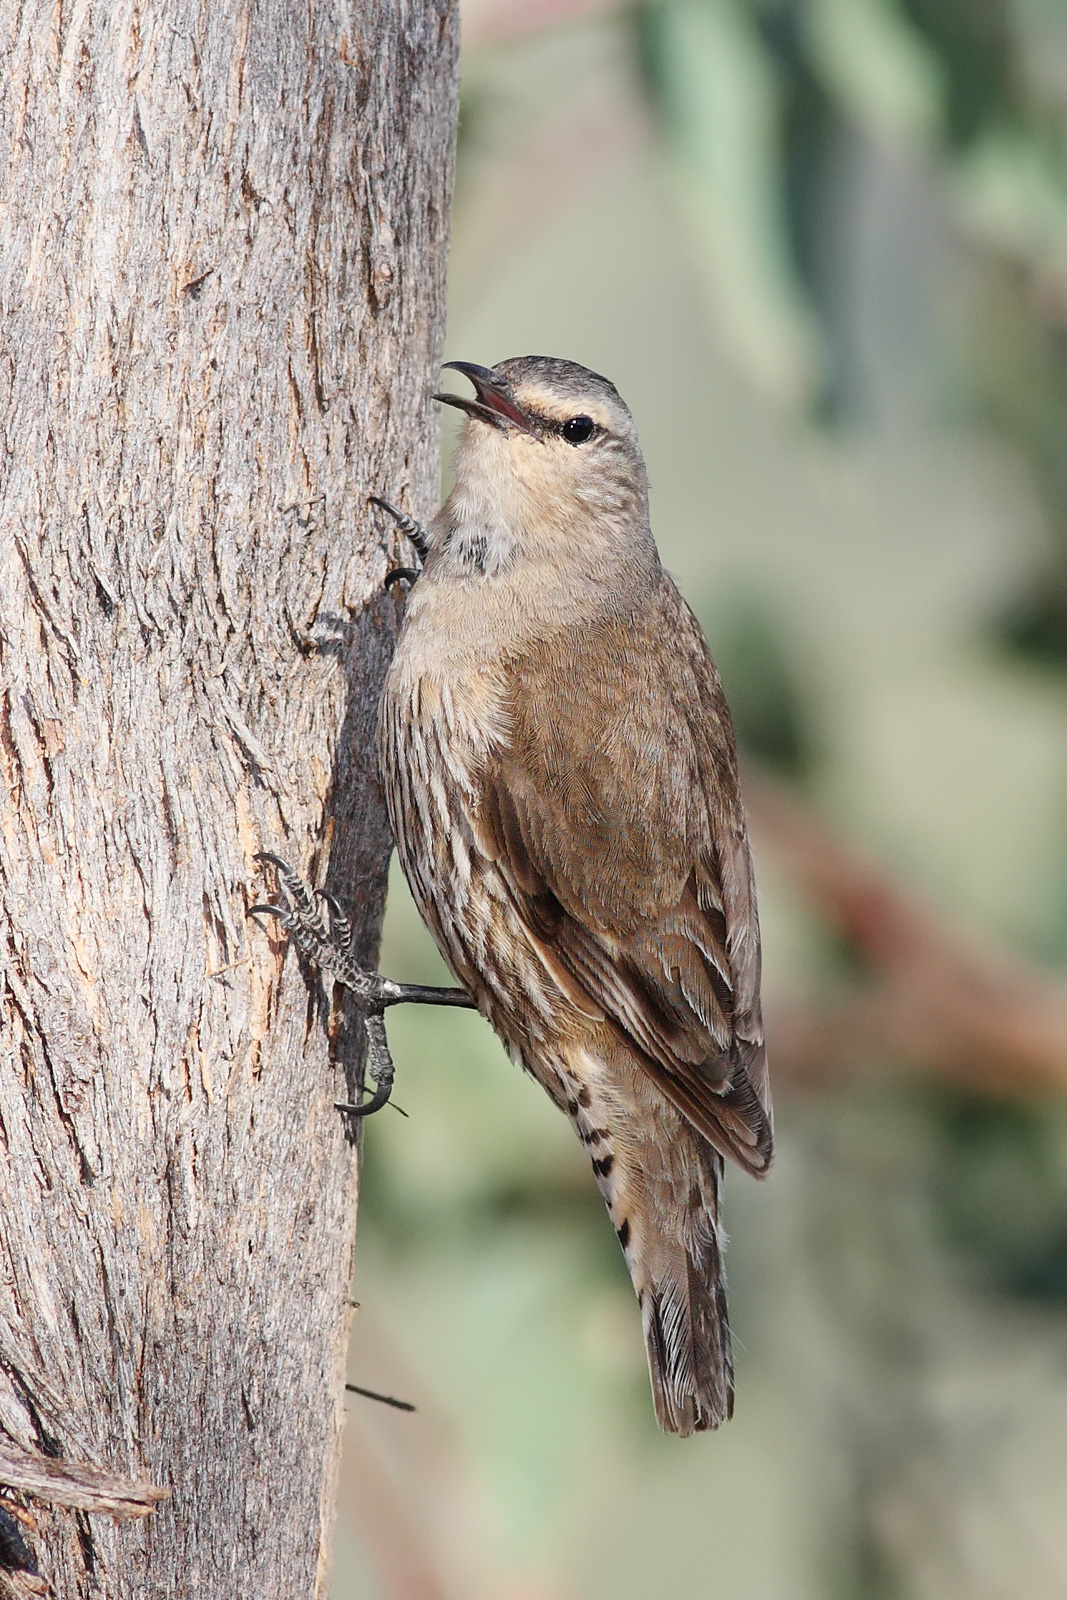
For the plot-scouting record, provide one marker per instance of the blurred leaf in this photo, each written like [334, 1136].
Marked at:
[1034, 625]
[973, 40]
[713, 82]
[882, 72]
[1012, 191]
[761, 686]
[1001, 1192]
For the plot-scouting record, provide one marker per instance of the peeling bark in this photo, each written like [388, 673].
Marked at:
[222, 241]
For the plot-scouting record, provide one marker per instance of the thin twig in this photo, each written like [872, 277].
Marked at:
[386, 1399]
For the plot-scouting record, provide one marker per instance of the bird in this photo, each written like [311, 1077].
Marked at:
[561, 775]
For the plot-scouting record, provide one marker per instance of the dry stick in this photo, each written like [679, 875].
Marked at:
[75, 1484]
[385, 1399]
[942, 1000]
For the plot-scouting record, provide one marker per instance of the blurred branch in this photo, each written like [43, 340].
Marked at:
[406, 1490]
[495, 21]
[935, 999]
[387, 1522]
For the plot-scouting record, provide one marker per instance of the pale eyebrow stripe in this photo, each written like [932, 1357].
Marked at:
[537, 408]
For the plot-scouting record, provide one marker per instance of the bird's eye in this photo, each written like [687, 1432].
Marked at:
[576, 430]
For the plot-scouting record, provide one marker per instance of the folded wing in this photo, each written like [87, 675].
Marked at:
[619, 833]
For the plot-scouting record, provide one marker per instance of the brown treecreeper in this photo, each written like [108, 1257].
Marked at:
[561, 777]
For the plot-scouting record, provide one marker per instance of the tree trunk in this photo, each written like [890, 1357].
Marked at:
[221, 267]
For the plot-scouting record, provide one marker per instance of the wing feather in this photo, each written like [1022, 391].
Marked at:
[616, 825]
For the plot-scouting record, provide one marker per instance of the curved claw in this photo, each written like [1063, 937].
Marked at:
[401, 575]
[293, 883]
[275, 861]
[378, 1100]
[340, 926]
[275, 911]
[380, 1067]
[400, 516]
[414, 529]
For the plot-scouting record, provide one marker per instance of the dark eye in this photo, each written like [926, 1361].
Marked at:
[576, 430]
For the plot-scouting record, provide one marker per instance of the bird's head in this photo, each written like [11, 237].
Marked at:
[549, 459]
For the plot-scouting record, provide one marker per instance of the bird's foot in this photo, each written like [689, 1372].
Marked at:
[320, 930]
[415, 532]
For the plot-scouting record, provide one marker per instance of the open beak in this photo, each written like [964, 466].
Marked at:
[493, 403]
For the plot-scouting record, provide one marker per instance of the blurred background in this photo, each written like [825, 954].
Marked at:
[821, 248]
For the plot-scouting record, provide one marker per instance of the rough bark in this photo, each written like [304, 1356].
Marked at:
[222, 238]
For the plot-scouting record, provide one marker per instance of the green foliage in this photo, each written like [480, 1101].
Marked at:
[767, 700]
[1000, 1191]
[973, 40]
[761, 103]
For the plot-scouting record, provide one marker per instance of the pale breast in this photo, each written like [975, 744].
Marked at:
[435, 731]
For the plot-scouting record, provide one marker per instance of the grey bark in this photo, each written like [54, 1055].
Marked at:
[222, 241]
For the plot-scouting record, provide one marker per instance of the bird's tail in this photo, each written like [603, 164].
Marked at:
[660, 1179]
[665, 1206]
[683, 1313]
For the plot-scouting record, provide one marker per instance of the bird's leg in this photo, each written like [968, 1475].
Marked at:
[415, 532]
[327, 940]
